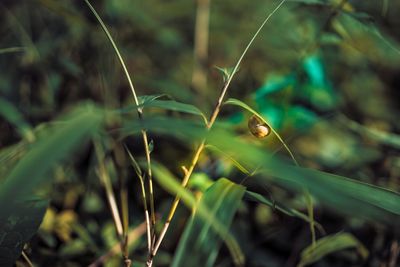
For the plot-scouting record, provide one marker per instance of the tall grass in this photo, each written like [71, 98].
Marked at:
[214, 209]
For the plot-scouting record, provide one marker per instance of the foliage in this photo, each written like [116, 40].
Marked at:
[85, 126]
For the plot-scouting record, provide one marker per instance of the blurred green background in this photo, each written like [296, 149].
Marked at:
[324, 73]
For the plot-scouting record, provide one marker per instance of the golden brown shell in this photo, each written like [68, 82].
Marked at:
[257, 127]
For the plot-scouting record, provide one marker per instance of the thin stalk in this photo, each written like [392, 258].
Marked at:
[105, 180]
[144, 198]
[310, 211]
[202, 144]
[139, 112]
[12, 50]
[151, 193]
[26, 258]
[125, 224]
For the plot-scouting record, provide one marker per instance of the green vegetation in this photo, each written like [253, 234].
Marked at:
[124, 135]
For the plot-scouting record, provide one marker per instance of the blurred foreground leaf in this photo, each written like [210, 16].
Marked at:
[20, 217]
[56, 145]
[345, 195]
[199, 244]
[202, 209]
[330, 244]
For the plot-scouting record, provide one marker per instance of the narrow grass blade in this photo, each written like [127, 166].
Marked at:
[167, 105]
[199, 244]
[57, 144]
[166, 180]
[115, 47]
[237, 164]
[252, 196]
[331, 244]
[139, 174]
[237, 102]
[12, 50]
[342, 194]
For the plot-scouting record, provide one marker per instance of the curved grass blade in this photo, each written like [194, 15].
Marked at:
[121, 60]
[237, 164]
[331, 244]
[12, 50]
[139, 111]
[199, 244]
[344, 195]
[166, 180]
[252, 196]
[57, 144]
[237, 102]
[168, 105]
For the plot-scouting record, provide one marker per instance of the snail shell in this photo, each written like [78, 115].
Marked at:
[257, 127]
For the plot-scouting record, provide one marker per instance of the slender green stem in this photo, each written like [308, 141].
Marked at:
[202, 144]
[121, 60]
[144, 199]
[235, 69]
[310, 211]
[139, 111]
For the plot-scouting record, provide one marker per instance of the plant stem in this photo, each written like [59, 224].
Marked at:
[26, 258]
[105, 180]
[202, 144]
[140, 115]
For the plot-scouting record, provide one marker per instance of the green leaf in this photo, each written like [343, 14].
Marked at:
[345, 195]
[20, 217]
[288, 211]
[199, 244]
[331, 244]
[237, 164]
[56, 145]
[226, 72]
[207, 213]
[237, 102]
[17, 227]
[377, 135]
[153, 102]
[367, 39]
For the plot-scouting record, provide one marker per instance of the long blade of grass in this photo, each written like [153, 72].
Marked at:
[344, 195]
[166, 180]
[144, 198]
[12, 50]
[331, 244]
[237, 102]
[236, 68]
[199, 243]
[210, 123]
[56, 144]
[139, 111]
[116, 50]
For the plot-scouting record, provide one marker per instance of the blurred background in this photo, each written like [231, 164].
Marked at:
[324, 73]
